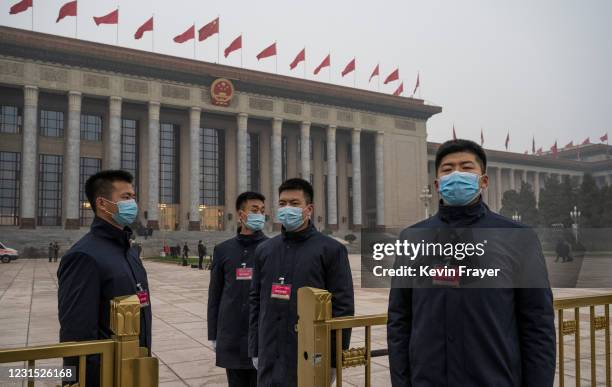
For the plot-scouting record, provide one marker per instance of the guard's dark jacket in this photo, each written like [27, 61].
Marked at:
[228, 300]
[96, 269]
[502, 337]
[305, 258]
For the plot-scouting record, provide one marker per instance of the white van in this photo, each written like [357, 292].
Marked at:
[7, 254]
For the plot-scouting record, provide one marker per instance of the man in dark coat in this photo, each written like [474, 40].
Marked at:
[102, 266]
[56, 250]
[51, 251]
[228, 293]
[185, 254]
[446, 335]
[300, 256]
[201, 254]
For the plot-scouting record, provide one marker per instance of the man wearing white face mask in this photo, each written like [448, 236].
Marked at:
[300, 256]
[101, 266]
[228, 292]
[453, 333]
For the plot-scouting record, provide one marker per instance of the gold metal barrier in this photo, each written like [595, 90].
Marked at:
[572, 327]
[122, 361]
[315, 326]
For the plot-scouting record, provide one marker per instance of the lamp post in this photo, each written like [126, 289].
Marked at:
[575, 215]
[516, 217]
[426, 196]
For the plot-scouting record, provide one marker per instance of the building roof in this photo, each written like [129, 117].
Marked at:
[80, 53]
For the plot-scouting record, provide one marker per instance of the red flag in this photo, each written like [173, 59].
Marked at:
[418, 83]
[507, 140]
[375, 73]
[209, 30]
[604, 138]
[235, 45]
[569, 145]
[394, 76]
[399, 90]
[587, 141]
[533, 145]
[267, 52]
[68, 9]
[553, 149]
[111, 18]
[539, 152]
[481, 138]
[185, 36]
[301, 57]
[350, 67]
[20, 7]
[326, 63]
[454, 134]
[147, 26]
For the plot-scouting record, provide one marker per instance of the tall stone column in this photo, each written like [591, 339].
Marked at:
[380, 179]
[332, 202]
[523, 177]
[72, 161]
[241, 140]
[194, 168]
[305, 151]
[152, 205]
[498, 188]
[29, 159]
[356, 157]
[512, 178]
[277, 165]
[113, 146]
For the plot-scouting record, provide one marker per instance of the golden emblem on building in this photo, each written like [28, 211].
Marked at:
[221, 92]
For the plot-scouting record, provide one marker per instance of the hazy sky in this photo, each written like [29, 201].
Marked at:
[534, 68]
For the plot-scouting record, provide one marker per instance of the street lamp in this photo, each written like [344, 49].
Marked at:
[575, 215]
[516, 217]
[426, 196]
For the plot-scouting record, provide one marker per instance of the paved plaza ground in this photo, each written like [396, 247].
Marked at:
[28, 317]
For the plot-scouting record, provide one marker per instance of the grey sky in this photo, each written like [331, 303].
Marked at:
[540, 68]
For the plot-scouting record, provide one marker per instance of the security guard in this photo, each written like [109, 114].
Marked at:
[453, 334]
[300, 256]
[101, 266]
[228, 293]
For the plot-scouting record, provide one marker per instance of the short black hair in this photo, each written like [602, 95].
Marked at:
[101, 184]
[298, 184]
[248, 195]
[461, 145]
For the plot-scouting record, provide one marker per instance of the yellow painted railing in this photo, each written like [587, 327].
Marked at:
[122, 361]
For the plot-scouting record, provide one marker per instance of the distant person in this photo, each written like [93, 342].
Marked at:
[228, 292]
[185, 254]
[177, 251]
[101, 266]
[201, 254]
[56, 250]
[51, 251]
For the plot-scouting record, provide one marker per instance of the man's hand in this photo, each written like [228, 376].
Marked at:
[255, 361]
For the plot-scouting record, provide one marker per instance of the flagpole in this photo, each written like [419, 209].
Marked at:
[329, 68]
[153, 35]
[355, 74]
[76, 23]
[194, 41]
[378, 76]
[241, 48]
[276, 57]
[32, 15]
[304, 62]
[219, 38]
[117, 22]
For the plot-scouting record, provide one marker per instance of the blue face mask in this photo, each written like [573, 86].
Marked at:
[127, 211]
[459, 188]
[255, 222]
[290, 217]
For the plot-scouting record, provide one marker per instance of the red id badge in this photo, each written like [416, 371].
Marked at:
[143, 297]
[244, 273]
[281, 291]
[446, 276]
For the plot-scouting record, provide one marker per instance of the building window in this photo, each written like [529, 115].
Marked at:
[10, 170]
[51, 123]
[168, 164]
[50, 190]
[10, 119]
[349, 152]
[212, 167]
[129, 148]
[91, 127]
[284, 156]
[253, 162]
[89, 166]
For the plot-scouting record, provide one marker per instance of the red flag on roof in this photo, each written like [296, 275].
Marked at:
[375, 73]
[111, 18]
[326, 63]
[399, 90]
[209, 30]
[569, 145]
[350, 67]
[587, 141]
[147, 26]
[236, 44]
[267, 52]
[604, 138]
[394, 76]
[481, 138]
[301, 57]
[185, 36]
[20, 7]
[540, 151]
[68, 9]
[507, 140]
[533, 145]
[553, 149]
[418, 83]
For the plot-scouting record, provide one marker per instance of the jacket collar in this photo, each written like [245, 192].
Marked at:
[462, 215]
[102, 228]
[299, 236]
[247, 240]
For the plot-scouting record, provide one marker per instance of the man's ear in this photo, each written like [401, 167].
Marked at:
[437, 185]
[484, 181]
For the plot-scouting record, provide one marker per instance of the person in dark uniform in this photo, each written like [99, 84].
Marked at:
[56, 250]
[51, 251]
[453, 334]
[185, 254]
[228, 293]
[300, 256]
[102, 266]
[201, 254]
